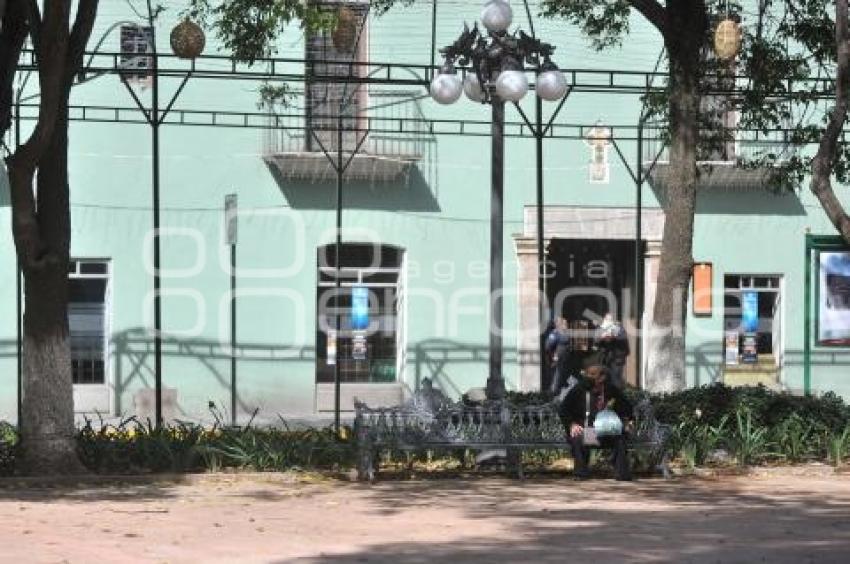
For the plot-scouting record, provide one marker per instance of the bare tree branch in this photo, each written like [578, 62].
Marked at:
[12, 37]
[52, 60]
[653, 12]
[80, 34]
[34, 16]
[822, 164]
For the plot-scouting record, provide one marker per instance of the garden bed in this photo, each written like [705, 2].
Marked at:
[715, 427]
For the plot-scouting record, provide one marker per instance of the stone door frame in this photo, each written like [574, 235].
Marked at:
[574, 222]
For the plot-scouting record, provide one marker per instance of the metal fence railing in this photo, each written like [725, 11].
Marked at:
[394, 121]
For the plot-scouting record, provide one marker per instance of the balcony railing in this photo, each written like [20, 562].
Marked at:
[386, 128]
[740, 148]
[731, 163]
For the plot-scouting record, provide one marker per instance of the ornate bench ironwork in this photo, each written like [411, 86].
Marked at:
[429, 421]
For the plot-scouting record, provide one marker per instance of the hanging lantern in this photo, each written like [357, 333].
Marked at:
[727, 39]
[187, 39]
[345, 34]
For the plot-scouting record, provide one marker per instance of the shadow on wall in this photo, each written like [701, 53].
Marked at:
[706, 362]
[132, 358]
[410, 192]
[440, 360]
[748, 202]
[732, 190]
[444, 362]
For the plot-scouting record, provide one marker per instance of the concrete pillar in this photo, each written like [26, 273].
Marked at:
[529, 324]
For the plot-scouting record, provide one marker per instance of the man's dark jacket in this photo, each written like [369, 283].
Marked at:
[574, 406]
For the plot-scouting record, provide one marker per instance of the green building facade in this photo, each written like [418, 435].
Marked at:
[416, 231]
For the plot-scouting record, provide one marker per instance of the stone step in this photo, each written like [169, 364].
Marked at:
[766, 378]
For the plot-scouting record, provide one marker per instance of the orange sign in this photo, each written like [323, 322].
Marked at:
[702, 298]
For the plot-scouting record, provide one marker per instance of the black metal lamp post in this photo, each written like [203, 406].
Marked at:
[497, 61]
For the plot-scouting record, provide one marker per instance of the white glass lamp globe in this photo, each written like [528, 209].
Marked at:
[551, 85]
[472, 88]
[497, 15]
[446, 88]
[512, 85]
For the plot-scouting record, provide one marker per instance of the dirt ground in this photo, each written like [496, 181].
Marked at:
[790, 515]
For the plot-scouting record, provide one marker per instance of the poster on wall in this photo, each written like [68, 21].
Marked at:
[834, 299]
[749, 312]
[331, 350]
[358, 346]
[731, 348]
[749, 352]
[359, 308]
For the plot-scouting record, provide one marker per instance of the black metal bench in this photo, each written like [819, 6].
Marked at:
[429, 423]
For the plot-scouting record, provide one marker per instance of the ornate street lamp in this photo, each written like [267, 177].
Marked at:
[498, 62]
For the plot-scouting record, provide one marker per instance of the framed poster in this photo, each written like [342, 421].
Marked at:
[358, 346]
[749, 352]
[833, 300]
[731, 348]
[331, 348]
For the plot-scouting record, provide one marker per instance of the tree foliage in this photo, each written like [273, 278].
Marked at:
[249, 29]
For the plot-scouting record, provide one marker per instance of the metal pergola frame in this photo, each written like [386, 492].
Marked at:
[216, 67]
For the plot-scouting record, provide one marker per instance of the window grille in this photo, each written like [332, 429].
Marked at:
[87, 320]
[329, 103]
[378, 269]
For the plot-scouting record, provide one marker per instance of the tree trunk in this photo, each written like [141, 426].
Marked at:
[666, 366]
[822, 163]
[41, 224]
[48, 430]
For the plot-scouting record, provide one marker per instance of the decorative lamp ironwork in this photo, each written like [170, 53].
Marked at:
[727, 39]
[187, 39]
[496, 63]
[344, 36]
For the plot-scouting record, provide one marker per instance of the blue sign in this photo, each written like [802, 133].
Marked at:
[750, 312]
[359, 308]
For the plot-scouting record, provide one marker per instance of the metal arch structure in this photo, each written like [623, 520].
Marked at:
[601, 81]
[216, 67]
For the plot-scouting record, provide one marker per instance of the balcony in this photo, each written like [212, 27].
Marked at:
[731, 165]
[383, 134]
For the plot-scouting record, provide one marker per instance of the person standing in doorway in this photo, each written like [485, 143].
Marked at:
[613, 344]
[559, 349]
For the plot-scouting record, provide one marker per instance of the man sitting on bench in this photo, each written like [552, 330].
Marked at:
[579, 411]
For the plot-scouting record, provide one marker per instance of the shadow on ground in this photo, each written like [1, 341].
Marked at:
[602, 521]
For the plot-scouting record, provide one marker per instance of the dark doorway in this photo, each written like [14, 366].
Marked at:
[588, 279]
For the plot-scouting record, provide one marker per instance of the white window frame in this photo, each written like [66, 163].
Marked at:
[97, 398]
[352, 277]
[746, 283]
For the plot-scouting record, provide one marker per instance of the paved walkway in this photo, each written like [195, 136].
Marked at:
[778, 516]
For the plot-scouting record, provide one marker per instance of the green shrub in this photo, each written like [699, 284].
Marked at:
[8, 448]
[838, 445]
[767, 408]
[797, 439]
[694, 440]
[132, 446]
[749, 441]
